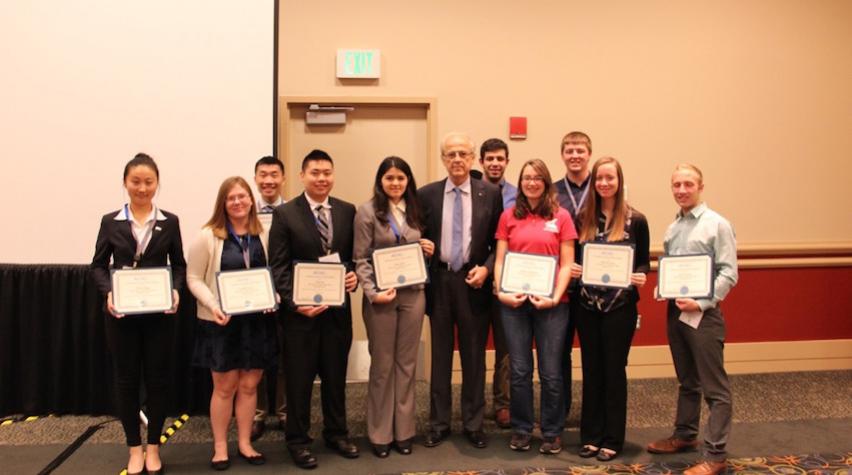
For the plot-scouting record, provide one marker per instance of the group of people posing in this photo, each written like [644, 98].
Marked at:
[465, 227]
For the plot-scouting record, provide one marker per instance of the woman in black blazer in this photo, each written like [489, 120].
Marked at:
[140, 235]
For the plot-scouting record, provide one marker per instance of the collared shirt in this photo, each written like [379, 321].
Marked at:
[398, 212]
[509, 192]
[325, 204]
[578, 192]
[262, 205]
[447, 220]
[704, 231]
[140, 229]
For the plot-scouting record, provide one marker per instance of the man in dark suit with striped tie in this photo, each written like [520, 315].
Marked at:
[310, 227]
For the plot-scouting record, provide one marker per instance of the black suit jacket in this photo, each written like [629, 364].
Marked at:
[116, 241]
[486, 206]
[293, 236]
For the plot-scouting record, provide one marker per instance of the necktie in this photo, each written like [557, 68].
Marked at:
[456, 253]
[324, 230]
[267, 209]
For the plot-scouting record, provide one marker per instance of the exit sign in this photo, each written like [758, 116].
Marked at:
[359, 63]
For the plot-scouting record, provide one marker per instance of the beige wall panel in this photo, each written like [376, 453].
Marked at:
[756, 93]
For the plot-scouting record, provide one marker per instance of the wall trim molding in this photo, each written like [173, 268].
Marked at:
[740, 358]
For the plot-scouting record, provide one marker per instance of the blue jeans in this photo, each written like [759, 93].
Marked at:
[547, 327]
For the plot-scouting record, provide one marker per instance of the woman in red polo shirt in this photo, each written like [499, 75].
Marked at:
[536, 225]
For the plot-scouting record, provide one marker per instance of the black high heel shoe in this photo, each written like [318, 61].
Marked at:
[381, 450]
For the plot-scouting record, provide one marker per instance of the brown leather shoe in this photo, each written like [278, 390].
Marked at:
[502, 418]
[706, 467]
[671, 445]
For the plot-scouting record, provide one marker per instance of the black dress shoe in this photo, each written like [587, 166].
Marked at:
[403, 446]
[220, 465]
[476, 438]
[435, 437]
[161, 471]
[303, 458]
[344, 447]
[258, 459]
[257, 429]
[381, 450]
[588, 452]
[606, 455]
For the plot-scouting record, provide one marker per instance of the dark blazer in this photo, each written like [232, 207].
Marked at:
[486, 207]
[293, 236]
[116, 241]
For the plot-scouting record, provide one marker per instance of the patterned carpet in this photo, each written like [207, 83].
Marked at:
[834, 464]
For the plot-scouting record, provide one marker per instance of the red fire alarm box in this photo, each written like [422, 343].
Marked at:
[517, 128]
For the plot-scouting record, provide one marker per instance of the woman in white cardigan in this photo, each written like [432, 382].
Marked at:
[235, 348]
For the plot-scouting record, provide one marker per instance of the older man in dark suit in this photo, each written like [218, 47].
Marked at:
[317, 338]
[460, 216]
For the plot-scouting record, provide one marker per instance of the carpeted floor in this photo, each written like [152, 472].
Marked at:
[779, 414]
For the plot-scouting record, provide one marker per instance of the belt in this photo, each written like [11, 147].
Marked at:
[445, 266]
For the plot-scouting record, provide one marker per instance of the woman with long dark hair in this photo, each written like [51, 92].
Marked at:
[235, 348]
[536, 225]
[393, 317]
[140, 235]
[606, 317]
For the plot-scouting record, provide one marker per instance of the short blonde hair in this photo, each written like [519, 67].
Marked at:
[576, 137]
[692, 168]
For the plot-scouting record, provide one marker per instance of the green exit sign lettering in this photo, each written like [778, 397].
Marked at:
[359, 63]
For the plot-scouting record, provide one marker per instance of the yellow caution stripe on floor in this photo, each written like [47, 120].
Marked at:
[176, 425]
[15, 419]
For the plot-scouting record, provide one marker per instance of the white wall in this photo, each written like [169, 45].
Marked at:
[88, 83]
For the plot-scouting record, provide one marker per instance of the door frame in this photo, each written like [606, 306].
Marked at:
[428, 103]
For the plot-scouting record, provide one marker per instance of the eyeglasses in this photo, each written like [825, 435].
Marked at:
[237, 198]
[457, 154]
[532, 179]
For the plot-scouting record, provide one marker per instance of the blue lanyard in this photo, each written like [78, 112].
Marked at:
[146, 238]
[244, 245]
[394, 228]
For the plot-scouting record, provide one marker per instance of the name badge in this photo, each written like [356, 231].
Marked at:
[550, 226]
[331, 258]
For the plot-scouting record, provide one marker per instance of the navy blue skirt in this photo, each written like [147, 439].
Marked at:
[247, 342]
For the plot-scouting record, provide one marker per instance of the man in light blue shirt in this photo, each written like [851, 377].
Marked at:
[696, 327]
[494, 158]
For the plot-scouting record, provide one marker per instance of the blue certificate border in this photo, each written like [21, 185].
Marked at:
[712, 276]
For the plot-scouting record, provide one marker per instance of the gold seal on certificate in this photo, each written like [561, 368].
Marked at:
[531, 274]
[399, 266]
[246, 291]
[685, 276]
[142, 290]
[607, 265]
[316, 283]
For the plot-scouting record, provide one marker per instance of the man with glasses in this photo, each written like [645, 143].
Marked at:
[460, 217]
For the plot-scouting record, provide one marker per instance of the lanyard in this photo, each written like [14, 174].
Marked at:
[395, 230]
[244, 244]
[146, 238]
[574, 203]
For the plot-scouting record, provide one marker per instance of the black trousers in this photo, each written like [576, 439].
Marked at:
[457, 304]
[314, 347]
[566, 356]
[604, 344]
[141, 346]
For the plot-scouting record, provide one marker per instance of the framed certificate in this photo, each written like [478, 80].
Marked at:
[399, 266]
[246, 291]
[142, 290]
[607, 265]
[319, 283]
[532, 274]
[689, 276]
